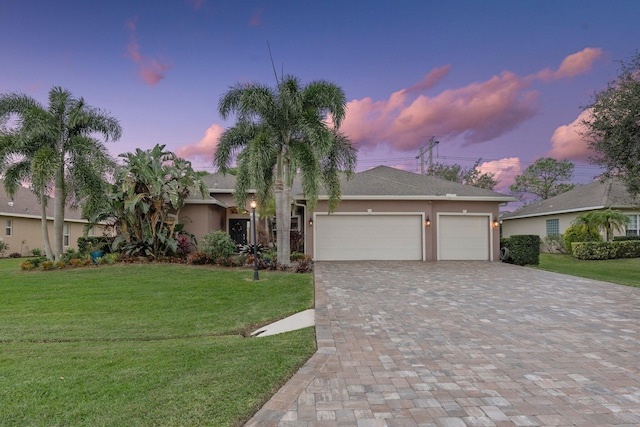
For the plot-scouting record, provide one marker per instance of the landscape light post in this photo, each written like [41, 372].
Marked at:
[254, 205]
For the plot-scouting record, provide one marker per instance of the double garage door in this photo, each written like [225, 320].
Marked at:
[356, 237]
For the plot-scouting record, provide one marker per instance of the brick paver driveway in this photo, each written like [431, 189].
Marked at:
[465, 344]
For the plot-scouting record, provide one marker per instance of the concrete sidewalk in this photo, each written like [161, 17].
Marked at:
[464, 344]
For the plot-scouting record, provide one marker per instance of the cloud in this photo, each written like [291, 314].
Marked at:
[503, 170]
[202, 151]
[478, 112]
[149, 69]
[256, 19]
[573, 65]
[567, 143]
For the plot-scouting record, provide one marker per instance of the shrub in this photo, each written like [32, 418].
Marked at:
[71, 254]
[606, 250]
[555, 243]
[36, 252]
[60, 265]
[186, 245]
[523, 249]
[110, 258]
[297, 256]
[218, 244]
[304, 266]
[36, 261]
[77, 262]
[15, 255]
[94, 243]
[47, 265]
[248, 249]
[3, 246]
[579, 233]
[26, 266]
[623, 238]
[199, 258]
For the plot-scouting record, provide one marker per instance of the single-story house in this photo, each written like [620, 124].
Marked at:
[384, 214]
[553, 216]
[20, 224]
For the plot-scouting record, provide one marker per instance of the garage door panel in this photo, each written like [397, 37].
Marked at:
[463, 237]
[368, 237]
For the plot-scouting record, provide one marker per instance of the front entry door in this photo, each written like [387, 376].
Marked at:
[238, 229]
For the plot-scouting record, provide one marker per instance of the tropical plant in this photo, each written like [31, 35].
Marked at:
[57, 148]
[612, 126]
[607, 221]
[545, 178]
[469, 176]
[144, 205]
[281, 133]
[3, 247]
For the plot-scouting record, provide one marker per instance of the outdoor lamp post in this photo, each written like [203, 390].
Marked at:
[254, 205]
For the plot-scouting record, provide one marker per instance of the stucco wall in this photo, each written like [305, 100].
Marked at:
[27, 234]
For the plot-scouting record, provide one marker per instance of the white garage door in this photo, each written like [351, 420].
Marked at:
[368, 237]
[463, 237]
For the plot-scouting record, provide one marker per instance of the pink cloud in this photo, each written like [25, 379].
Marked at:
[430, 79]
[503, 170]
[567, 143]
[149, 69]
[202, 151]
[256, 19]
[573, 65]
[478, 112]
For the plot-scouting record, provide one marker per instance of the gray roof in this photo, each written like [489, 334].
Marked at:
[596, 195]
[383, 182]
[25, 204]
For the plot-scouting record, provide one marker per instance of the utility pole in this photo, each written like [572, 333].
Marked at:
[432, 143]
[421, 157]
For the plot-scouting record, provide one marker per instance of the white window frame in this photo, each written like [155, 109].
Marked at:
[66, 237]
[8, 228]
[556, 225]
[633, 227]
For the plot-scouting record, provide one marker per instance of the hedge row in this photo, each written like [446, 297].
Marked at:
[522, 249]
[606, 250]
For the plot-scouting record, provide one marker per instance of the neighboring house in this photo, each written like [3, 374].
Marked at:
[384, 214]
[20, 225]
[555, 215]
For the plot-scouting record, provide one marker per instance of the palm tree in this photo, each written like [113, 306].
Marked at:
[281, 133]
[75, 160]
[607, 221]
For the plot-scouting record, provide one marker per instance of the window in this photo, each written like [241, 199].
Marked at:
[66, 236]
[295, 223]
[633, 227]
[553, 227]
[8, 229]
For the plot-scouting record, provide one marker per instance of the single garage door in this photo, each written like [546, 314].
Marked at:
[368, 237]
[463, 237]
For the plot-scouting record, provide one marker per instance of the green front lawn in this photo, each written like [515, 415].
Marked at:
[621, 271]
[153, 344]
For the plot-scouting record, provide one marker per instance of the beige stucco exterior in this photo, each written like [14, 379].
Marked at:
[537, 225]
[26, 233]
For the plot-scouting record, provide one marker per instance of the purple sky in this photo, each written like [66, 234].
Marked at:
[499, 80]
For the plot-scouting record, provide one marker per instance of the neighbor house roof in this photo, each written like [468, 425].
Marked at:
[383, 182]
[596, 195]
[24, 204]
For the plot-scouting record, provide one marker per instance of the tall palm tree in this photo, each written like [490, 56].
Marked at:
[281, 133]
[65, 132]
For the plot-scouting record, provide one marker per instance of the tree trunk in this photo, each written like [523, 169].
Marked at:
[58, 215]
[45, 228]
[278, 191]
[286, 226]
